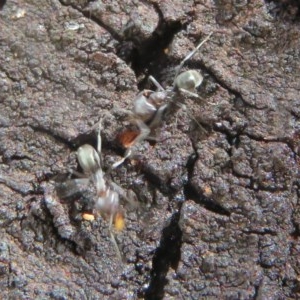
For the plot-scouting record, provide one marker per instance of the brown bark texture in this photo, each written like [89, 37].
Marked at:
[218, 213]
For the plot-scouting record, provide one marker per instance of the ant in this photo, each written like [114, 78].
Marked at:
[150, 106]
[92, 178]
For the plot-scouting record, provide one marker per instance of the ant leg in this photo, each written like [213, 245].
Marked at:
[71, 187]
[119, 162]
[112, 237]
[155, 82]
[115, 187]
[99, 139]
[144, 131]
[191, 54]
[189, 93]
[130, 198]
[190, 114]
[98, 127]
[76, 173]
[158, 117]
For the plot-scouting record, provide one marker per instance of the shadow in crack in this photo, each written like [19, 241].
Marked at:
[2, 3]
[167, 255]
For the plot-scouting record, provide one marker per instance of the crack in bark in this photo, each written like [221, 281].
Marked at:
[166, 256]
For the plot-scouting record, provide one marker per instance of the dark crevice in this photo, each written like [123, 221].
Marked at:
[164, 186]
[255, 185]
[296, 233]
[148, 57]
[265, 266]
[8, 75]
[167, 255]
[88, 137]
[8, 159]
[233, 140]
[257, 290]
[231, 90]
[70, 243]
[264, 231]
[90, 16]
[153, 178]
[288, 10]
[113, 33]
[2, 3]
[291, 142]
[58, 138]
[192, 194]
[192, 161]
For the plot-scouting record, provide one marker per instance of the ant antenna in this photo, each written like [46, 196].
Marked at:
[191, 54]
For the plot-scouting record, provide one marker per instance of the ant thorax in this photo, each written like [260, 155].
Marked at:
[147, 103]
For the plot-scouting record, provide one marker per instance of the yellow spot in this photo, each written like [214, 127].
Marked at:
[88, 217]
[119, 222]
[207, 191]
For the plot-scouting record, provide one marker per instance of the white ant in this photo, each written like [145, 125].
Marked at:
[150, 106]
[107, 192]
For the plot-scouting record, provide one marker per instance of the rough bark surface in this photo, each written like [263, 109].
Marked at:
[218, 214]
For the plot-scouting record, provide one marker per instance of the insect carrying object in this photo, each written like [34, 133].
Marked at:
[105, 200]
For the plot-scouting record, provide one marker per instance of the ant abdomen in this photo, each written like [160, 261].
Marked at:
[88, 159]
[188, 80]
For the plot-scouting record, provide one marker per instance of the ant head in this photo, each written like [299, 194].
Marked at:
[142, 107]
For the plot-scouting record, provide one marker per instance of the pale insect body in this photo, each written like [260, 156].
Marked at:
[107, 200]
[106, 194]
[150, 106]
[188, 80]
